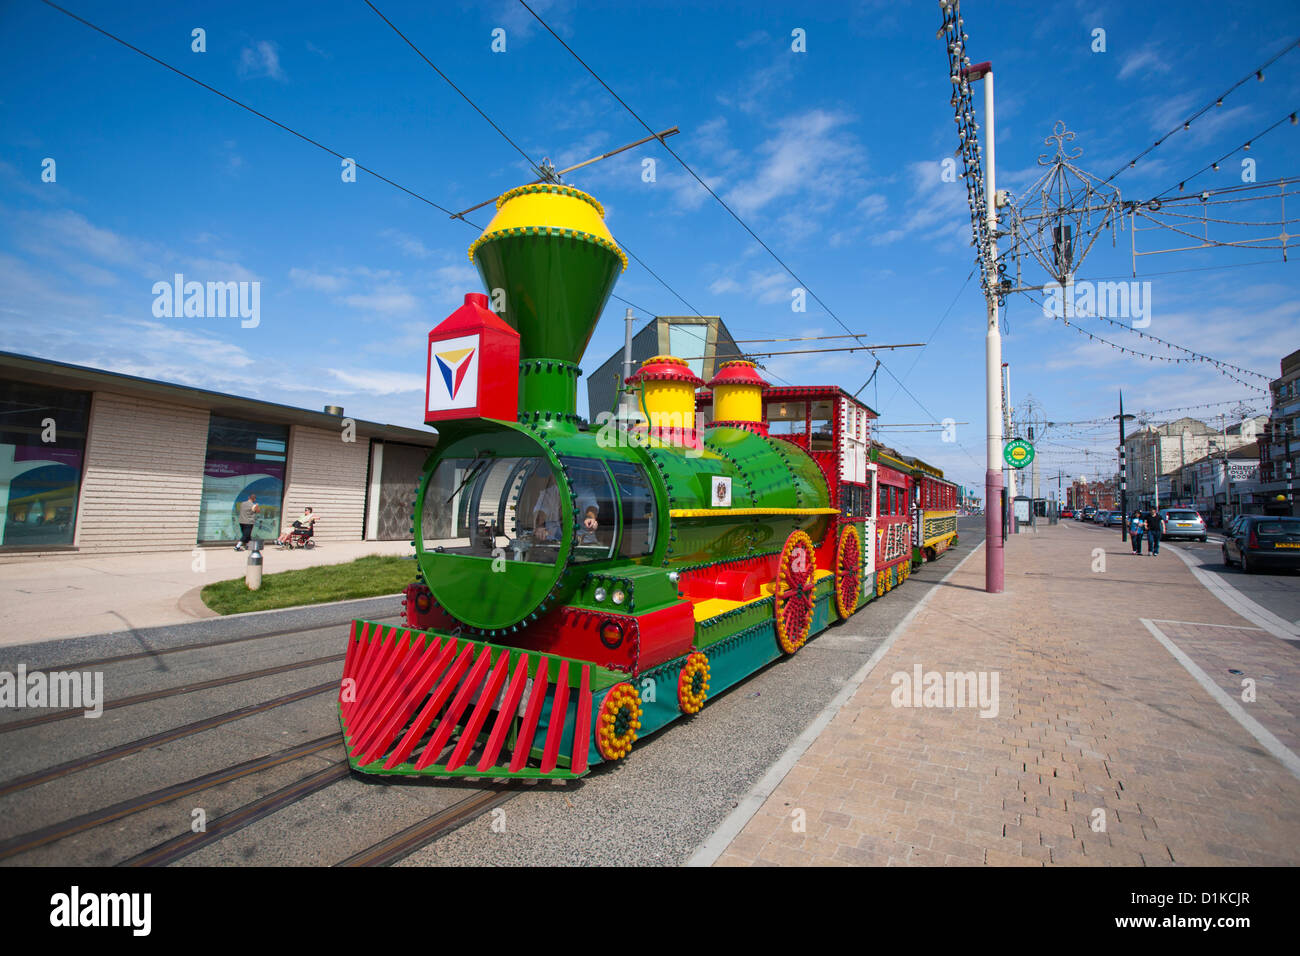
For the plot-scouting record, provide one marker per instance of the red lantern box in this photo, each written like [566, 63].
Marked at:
[473, 365]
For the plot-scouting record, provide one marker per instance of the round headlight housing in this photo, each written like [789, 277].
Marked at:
[600, 594]
[619, 596]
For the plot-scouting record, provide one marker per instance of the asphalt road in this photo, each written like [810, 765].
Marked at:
[239, 761]
[1275, 590]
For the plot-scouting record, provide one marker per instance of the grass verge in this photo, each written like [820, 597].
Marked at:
[372, 576]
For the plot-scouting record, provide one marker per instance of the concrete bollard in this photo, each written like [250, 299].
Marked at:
[253, 573]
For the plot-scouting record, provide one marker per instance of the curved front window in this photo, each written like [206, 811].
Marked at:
[511, 508]
[495, 508]
[595, 520]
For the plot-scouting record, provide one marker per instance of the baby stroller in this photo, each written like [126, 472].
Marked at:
[300, 536]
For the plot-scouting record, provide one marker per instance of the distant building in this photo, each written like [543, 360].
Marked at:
[95, 461]
[1158, 450]
[702, 340]
[1278, 444]
[1219, 486]
[1094, 494]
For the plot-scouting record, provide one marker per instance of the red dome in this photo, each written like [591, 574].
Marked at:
[666, 368]
[737, 372]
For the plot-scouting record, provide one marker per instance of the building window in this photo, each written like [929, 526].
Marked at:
[243, 459]
[42, 444]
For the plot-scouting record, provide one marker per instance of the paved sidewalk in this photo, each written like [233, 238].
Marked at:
[54, 597]
[1097, 722]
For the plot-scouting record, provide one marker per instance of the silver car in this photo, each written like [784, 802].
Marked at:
[1182, 523]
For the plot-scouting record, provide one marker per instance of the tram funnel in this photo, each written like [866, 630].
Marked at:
[549, 264]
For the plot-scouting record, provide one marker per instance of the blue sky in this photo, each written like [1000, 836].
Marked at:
[831, 155]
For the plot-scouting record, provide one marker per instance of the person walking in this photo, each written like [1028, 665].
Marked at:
[1136, 526]
[247, 516]
[1154, 530]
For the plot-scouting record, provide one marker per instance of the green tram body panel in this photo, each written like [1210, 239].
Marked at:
[495, 595]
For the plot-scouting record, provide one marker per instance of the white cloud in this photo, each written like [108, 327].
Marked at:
[379, 381]
[1144, 60]
[318, 281]
[217, 270]
[810, 158]
[388, 299]
[260, 59]
[407, 243]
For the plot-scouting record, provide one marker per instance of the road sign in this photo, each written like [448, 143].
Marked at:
[1017, 453]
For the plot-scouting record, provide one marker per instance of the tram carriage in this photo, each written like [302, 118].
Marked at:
[580, 587]
[934, 510]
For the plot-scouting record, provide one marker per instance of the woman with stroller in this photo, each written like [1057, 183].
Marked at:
[304, 523]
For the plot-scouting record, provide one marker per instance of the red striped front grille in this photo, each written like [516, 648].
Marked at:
[413, 702]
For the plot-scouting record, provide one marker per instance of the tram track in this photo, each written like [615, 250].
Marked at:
[405, 842]
[167, 692]
[26, 842]
[156, 740]
[202, 645]
[182, 846]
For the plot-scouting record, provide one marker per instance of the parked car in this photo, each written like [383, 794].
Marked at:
[1261, 541]
[1114, 518]
[1100, 517]
[1089, 513]
[1066, 513]
[1182, 523]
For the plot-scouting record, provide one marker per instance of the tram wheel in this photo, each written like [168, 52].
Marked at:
[796, 576]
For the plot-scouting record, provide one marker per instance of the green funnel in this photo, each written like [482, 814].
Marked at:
[548, 250]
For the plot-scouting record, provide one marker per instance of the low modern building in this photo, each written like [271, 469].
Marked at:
[102, 462]
[702, 340]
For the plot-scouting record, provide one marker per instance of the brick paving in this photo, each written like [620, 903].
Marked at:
[1096, 723]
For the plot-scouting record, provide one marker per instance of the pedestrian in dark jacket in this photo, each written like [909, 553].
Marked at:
[1153, 531]
[247, 511]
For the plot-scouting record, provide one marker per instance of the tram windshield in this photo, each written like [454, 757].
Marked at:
[511, 508]
[495, 507]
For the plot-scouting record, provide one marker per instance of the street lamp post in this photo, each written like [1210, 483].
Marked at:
[993, 517]
[1123, 480]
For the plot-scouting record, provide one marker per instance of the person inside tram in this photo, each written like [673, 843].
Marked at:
[590, 522]
[546, 512]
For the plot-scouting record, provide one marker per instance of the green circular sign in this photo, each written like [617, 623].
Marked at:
[1017, 453]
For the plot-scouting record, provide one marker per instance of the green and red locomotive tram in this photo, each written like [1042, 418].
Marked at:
[582, 586]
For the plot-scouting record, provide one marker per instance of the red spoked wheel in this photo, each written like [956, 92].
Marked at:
[848, 571]
[796, 576]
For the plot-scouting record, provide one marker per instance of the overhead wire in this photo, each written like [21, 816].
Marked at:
[1217, 101]
[744, 225]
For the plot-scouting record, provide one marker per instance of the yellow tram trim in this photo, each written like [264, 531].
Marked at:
[712, 607]
[747, 512]
[927, 515]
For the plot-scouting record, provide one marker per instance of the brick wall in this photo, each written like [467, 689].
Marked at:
[143, 476]
[327, 475]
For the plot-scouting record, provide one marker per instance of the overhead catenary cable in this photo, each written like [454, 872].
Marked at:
[770, 251]
[1257, 73]
[744, 225]
[1288, 118]
[420, 53]
[244, 106]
